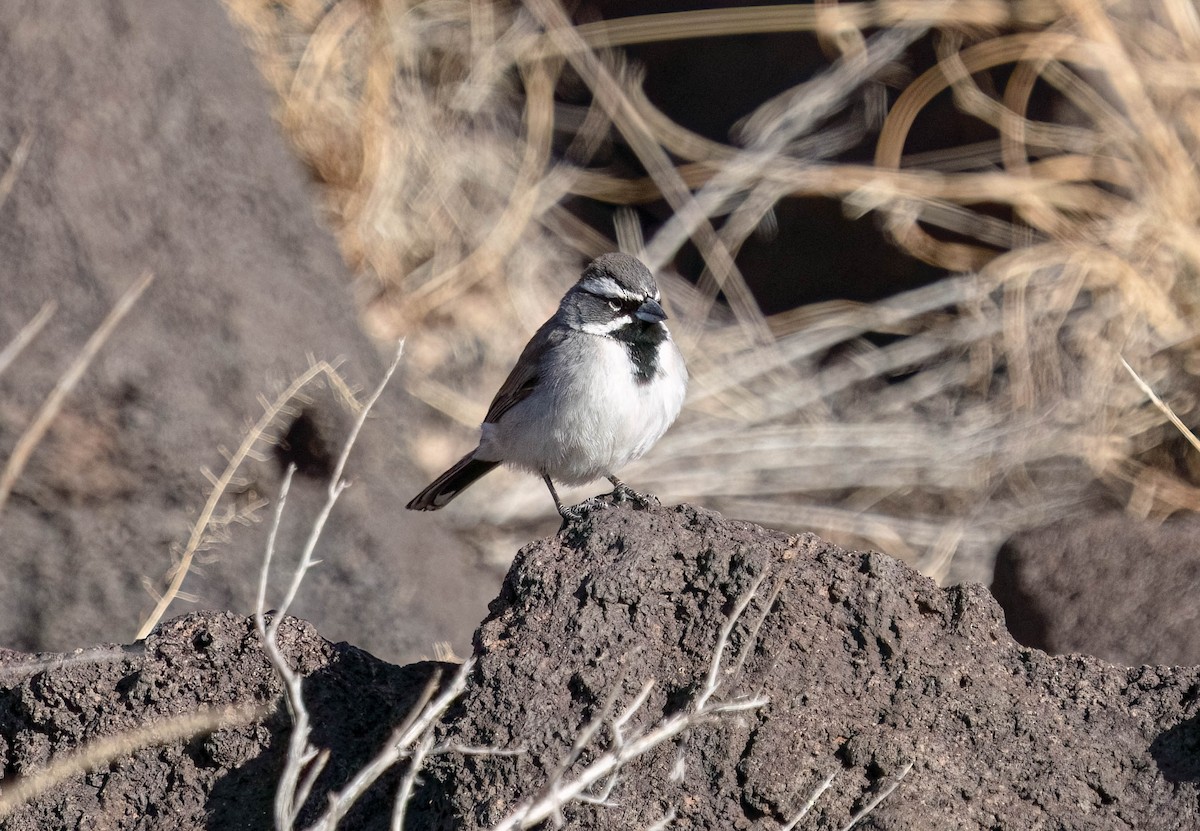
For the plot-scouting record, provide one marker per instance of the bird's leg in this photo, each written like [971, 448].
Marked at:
[622, 492]
[566, 513]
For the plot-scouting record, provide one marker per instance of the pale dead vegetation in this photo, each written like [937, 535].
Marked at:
[52, 404]
[101, 753]
[1000, 404]
[221, 512]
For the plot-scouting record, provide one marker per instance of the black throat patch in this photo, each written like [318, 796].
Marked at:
[642, 340]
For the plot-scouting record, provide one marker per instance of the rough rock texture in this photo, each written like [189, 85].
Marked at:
[1107, 585]
[152, 147]
[224, 780]
[867, 667]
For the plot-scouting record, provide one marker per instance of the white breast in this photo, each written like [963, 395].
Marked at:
[594, 418]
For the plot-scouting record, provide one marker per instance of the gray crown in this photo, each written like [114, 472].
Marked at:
[618, 276]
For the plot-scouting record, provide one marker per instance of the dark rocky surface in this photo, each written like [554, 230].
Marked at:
[867, 664]
[223, 780]
[152, 147]
[867, 667]
[1106, 585]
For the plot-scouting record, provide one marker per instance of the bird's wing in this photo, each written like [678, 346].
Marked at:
[524, 376]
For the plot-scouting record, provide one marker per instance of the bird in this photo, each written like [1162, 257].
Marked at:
[594, 389]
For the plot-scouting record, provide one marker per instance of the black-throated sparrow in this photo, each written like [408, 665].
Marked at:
[595, 388]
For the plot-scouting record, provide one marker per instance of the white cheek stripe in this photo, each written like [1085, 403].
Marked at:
[606, 328]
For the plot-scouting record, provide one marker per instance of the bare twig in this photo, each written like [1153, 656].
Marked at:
[712, 681]
[560, 790]
[1162, 406]
[404, 792]
[879, 797]
[336, 485]
[28, 332]
[300, 754]
[104, 751]
[271, 412]
[810, 802]
[397, 747]
[305, 762]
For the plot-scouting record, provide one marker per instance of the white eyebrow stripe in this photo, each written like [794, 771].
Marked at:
[607, 287]
[607, 328]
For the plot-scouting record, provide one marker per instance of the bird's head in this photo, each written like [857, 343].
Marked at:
[615, 294]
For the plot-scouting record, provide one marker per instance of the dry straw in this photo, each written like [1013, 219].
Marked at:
[1000, 401]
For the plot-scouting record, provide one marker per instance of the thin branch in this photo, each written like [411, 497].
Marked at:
[404, 792]
[276, 518]
[396, 748]
[336, 485]
[810, 802]
[1158, 402]
[304, 760]
[299, 754]
[200, 528]
[28, 332]
[557, 793]
[102, 752]
[882, 795]
[712, 681]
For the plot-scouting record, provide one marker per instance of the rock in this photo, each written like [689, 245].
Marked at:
[867, 665]
[867, 668]
[1106, 585]
[151, 147]
[52, 705]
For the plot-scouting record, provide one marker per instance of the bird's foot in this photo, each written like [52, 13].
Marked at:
[572, 513]
[624, 493]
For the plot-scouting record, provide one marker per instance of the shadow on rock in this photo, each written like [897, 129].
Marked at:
[1176, 751]
[354, 703]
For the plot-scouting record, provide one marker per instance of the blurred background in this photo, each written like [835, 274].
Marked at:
[906, 248]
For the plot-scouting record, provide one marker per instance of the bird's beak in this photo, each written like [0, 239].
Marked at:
[650, 312]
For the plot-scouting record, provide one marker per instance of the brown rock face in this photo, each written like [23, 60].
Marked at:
[225, 779]
[866, 667]
[1107, 585]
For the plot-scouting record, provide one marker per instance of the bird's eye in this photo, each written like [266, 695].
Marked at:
[614, 305]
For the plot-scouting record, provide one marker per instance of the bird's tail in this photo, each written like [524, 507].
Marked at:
[451, 483]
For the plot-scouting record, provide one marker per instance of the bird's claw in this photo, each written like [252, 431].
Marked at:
[621, 493]
[574, 512]
[624, 493]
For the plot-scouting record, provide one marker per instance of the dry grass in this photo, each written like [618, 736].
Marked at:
[100, 753]
[52, 404]
[1002, 402]
[220, 513]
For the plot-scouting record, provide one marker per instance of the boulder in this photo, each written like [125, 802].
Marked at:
[828, 663]
[151, 147]
[1105, 584]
